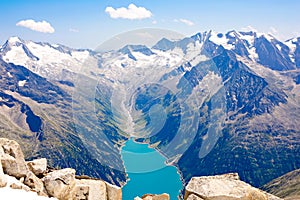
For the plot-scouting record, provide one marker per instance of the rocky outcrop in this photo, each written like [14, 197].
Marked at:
[17, 184]
[225, 187]
[35, 184]
[194, 197]
[113, 192]
[64, 185]
[38, 166]
[12, 158]
[61, 184]
[3, 180]
[90, 189]
[154, 197]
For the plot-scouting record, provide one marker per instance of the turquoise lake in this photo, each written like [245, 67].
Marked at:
[148, 173]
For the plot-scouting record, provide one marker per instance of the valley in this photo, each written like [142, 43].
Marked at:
[211, 103]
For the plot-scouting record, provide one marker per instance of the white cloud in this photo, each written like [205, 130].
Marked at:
[185, 21]
[132, 12]
[42, 26]
[154, 22]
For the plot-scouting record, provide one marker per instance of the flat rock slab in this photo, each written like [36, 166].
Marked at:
[224, 187]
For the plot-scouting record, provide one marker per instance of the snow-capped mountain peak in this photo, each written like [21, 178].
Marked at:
[132, 49]
[54, 61]
[43, 58]
[14, 40]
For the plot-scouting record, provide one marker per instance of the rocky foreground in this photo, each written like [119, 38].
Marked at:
[35, 176]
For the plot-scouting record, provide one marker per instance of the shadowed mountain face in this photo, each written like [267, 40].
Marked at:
[38, 114]
[212, 103]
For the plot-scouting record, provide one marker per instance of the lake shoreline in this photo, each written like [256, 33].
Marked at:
[161, 171]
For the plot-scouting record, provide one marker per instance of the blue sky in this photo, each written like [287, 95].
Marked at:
[86, 24]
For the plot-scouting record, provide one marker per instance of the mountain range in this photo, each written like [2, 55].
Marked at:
[211, 103]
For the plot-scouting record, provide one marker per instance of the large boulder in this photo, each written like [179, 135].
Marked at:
[14, 183]
[3, 180]
[37, 166]
[113, 192]
[194, 197]
[81, 192]
[163, 196]
[60, 183]
[35, 184]
[90, 190]
[157, 197]
[12, 158]
[225, 187]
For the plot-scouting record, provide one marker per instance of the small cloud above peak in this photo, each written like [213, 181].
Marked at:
[185, 21]
[39, 26]
[132, 12]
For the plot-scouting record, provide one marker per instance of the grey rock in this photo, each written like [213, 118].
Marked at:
[60, 183]
[12, 158]
[35, 184]
[163, 196]
[96, 189]
[225, 187]
[3, 180]
[194, 197]
[81, 192]
[113, 192]
[38, 166]
[16, 184]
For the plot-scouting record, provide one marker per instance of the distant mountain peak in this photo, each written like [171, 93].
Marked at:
[15, 40]
[130, 49]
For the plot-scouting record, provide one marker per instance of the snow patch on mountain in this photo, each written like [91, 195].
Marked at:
[249, 38]
[22, 83]
[278, 47]
[44, 59]
[220, 39]
[269, 37]
[14, 40]
[292, 46]
[16, 56]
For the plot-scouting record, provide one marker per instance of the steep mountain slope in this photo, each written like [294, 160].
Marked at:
[286, 186]
[212, 103]
[39, 114]
[259, 138]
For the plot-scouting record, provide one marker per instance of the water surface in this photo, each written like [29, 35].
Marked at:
[148, 173]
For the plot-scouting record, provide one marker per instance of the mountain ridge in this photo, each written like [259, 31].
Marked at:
[257, 132]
